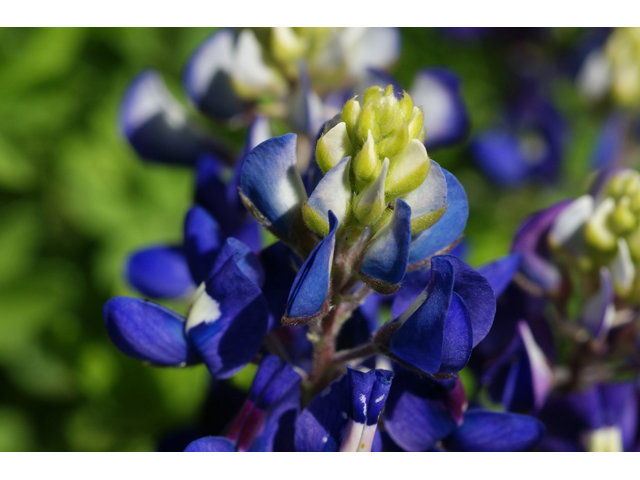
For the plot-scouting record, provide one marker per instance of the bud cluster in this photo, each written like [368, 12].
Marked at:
[383, 136]
[623, 52]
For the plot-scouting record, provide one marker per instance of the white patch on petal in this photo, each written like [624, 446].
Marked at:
[203, 310]
[594, 77]
[333, 192]
[325, 439]
[605, 439]
[214, 55]
[363, 399]
[541, 374]
[250, 73]
[152, 97]
[343, 415]
[570, 220]
[436, 102]
[622, 269]
[326, 391]
[380, 398]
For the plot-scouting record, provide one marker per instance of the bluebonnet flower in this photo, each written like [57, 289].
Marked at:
[528, 144]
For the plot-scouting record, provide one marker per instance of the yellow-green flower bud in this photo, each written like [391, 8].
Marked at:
[406, 105]
[408, 170]
[365, 164]
[350, 115]
[391, 146]
[332, 147]
[369, 205]
[596, 231]
[416, 125]
[622, 220]
[286, 45]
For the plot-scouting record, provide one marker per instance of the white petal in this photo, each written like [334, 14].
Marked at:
[570, 220]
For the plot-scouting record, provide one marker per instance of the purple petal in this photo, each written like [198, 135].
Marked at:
[599, 311]
[148, 331]
[498, 153]
[160, 272]
[457, 337]
[243, 257]
[280, 267]
[487, 431]
[530, 241]
[500, 272]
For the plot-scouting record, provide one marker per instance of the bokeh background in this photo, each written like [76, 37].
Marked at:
[75, 199]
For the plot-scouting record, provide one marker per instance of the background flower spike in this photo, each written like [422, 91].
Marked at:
[157, 126]
[385, 261]
[270, 184]
[211, 444]
[310, 294]
[207, 77]
[148, 331]
[446, 230]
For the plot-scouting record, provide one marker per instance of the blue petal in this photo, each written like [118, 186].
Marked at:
[379, 393]
[500, 272]
[416, 416]
[319, 427]
[477, 295]
[413, 285]
[448, 229]
[419, 340]
[228, 321]
[280, 269]
[156, 125]
[211, 444]
[305, 109]
[437, 91]
[386, 257]
[243, 257]
[148, 331]
[270, 180]
[610, 142]
[207, 79]
[311, 289]
[486, 431]
[457, 337]
[430, 196]
[211, 193]
[160, 272]
[202, 242]
[498, 154]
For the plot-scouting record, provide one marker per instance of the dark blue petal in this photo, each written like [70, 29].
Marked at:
[319, 427]
[244, 258]
[271, 181]
[228, 321]
[148, 331]
[211, 193]
[477, 295]
[306, 115]
[280, 267]
[360, 386]
[413, 285]
[211, 444]
[156, 125]
[530, 241]
[312, 286]
[160, 272]
[487, 431]
[379, 393]
[610, 142]
[448, 229]
[437, 91]
[457, 337]
[416, 415]
[498, 154]
[419, 340]
[387, 255]
[202, 242]
[207, 79]
[500, 272]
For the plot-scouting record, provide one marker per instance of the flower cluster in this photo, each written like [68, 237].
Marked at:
[365, 222]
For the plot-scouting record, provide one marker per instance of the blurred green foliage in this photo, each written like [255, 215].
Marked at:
[75, 199]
